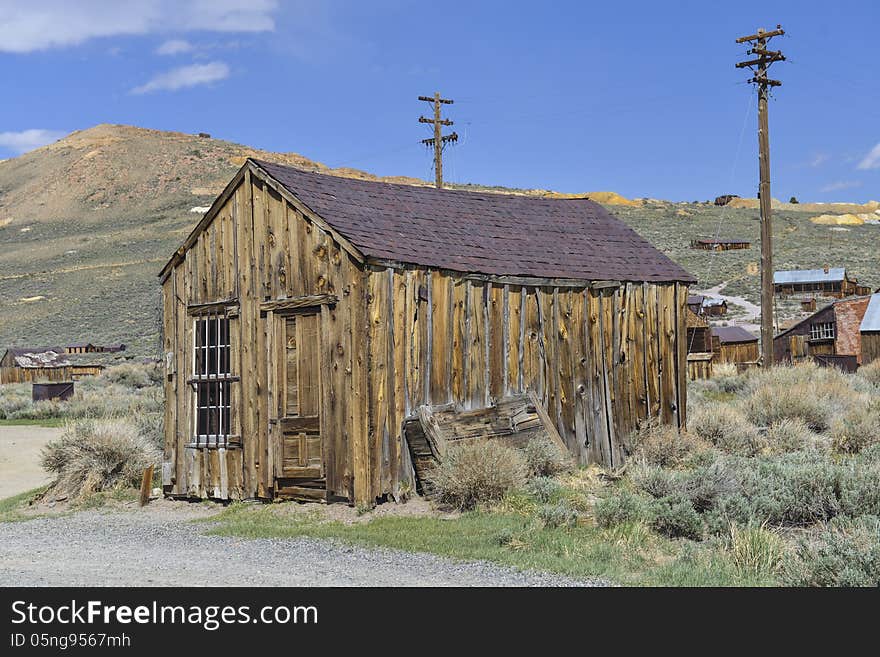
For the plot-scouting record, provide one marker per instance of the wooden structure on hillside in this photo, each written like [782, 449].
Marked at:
[40, 364]
[831, 335]
[827, 282]
[869, 331]
[734, 344]
[308, 319]
[719, 244]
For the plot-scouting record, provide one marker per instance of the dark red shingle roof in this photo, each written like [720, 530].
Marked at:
[464, 231]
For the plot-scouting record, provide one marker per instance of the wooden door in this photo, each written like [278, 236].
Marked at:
[299, 448]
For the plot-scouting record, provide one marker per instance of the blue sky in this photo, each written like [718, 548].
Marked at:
[637, 97]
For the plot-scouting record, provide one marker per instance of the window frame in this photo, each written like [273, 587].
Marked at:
[211, 379]
[823, 331]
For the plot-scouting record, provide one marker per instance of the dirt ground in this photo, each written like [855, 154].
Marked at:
[20, 458]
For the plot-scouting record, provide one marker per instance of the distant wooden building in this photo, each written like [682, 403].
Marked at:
[713, 244]
[703, 305]
[699, 347]
[808, 305]
[80, 348]
[309, 318]
[869, 331]
[25, 365]
[734, 344]
[828, 282]
[830, 334]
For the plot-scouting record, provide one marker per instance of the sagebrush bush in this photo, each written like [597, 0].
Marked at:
[478, 473]
[847, 553]
[789, 435]
[559, 514]
[797, 489]
[663, 445]
[621, 507]
[857, 429]
[544, 458]
[544, 489]
[726, 428]
[675, 517]
[98, 455]
[859, 489]
[132, 375]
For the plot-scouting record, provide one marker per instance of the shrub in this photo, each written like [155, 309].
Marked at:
[622, 507]
[473, 474]
[797, 489]
[756, 550]
[727, 428]
[789, 435]
[769, 404]
[544, 489]
[663, 445]
[675, 517]
[655, 481]
[98, 455]
[859, 490]
[544, 458]
[858, 429]
[871, 372]
[847, 553]
[132, 375]
[558, 515]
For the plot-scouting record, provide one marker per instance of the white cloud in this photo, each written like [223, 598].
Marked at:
[174, 47]
[28, 140]
[871, 160]
[818, 159]
[31, 25]
[841, 185]
[185, 76]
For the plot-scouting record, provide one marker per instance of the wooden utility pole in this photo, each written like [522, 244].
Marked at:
[759, 66]
[438, 141]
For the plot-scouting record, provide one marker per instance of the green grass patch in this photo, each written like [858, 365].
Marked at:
[11, 508]
[28, 422]
[630, 555]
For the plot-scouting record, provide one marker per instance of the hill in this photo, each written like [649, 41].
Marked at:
[87, 222]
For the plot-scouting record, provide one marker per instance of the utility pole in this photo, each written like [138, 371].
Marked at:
[438, 141]
[763, 61]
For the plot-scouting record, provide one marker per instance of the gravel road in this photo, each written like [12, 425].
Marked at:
[20, 457]
[144, 548]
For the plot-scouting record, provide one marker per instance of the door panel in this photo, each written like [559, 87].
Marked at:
[299, 437]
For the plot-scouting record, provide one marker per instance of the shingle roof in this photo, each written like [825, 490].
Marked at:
[871, 320]
[733, 334]
[464, 231]
[809, 276]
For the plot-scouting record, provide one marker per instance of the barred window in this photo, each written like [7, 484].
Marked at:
[822, 331]
[211, 380]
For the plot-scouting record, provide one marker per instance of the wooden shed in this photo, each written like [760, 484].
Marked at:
[870, 331]
[26, 365]
[308, 318]
[720, 244]
[734, 344]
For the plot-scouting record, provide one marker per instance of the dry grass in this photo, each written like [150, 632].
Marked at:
[857, 429]
[98, 455]
[663, 445]
[727, 428]
[475, 474]
[757, 550]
